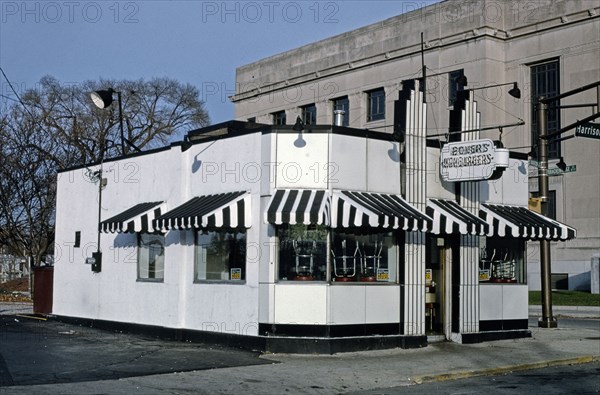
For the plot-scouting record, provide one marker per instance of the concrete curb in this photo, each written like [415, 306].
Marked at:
[506, 369]
[592, 312]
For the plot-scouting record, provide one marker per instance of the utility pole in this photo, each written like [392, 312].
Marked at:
[547, 320]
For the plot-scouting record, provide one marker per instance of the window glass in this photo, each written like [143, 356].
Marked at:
[220, 255]
[376, 105]
[151, 257]
[369, 257]
[545, 81]
[279, 118]
[455, 84]
[302, 252]
[366, 257]
[309, 114]
[502, 260]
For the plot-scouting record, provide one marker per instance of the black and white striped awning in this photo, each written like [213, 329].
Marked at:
[298, 206]
[224, 210]
[377, 210]
[515, 221]
[135, 219]
[451, 218]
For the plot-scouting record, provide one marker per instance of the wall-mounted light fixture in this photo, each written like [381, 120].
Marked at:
[533, 153]
[186, 144]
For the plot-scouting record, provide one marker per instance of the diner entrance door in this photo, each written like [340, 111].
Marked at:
[438, 286]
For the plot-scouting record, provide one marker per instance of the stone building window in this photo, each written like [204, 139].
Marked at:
[279, 118]
[455, 84]
[376, 105]
[309, 114]
[545, 81]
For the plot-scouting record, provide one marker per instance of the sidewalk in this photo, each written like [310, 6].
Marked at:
[12, 308]
[567, 311]
[360, 371]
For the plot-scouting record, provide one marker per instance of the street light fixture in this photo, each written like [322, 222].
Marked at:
[514, 91]
[104, 98]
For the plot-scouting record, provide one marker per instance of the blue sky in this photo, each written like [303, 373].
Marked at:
[196, 42]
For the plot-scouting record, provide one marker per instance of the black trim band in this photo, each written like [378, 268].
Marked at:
[503, 325]
[333, 331]
[287, 344]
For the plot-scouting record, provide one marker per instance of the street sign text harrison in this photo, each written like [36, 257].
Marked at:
[591, 130]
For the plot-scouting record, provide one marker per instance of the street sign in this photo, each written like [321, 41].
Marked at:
[556, 171]
[591, 130]
[552, 171]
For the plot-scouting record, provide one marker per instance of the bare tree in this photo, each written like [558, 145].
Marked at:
[56, 126]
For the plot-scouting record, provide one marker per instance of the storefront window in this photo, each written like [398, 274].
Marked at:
[151, 257]
[302, 252]
[502, 260]
[220, 255]
[369, 257]
[365, 257]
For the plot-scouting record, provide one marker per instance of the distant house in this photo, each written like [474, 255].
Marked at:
[12, 267]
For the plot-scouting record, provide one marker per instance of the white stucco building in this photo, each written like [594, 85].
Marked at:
[298, 238]
[408, 218]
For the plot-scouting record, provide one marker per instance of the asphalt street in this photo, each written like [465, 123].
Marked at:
[48, 357]
[35, 351]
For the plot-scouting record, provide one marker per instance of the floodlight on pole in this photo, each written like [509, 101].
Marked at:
[103, 99]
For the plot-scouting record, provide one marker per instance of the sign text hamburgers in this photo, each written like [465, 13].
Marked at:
[472, 160]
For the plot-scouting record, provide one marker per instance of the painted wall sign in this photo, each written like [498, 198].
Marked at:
[591, 130]
[472, 160]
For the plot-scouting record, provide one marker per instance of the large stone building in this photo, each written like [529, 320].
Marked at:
[547, 47]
